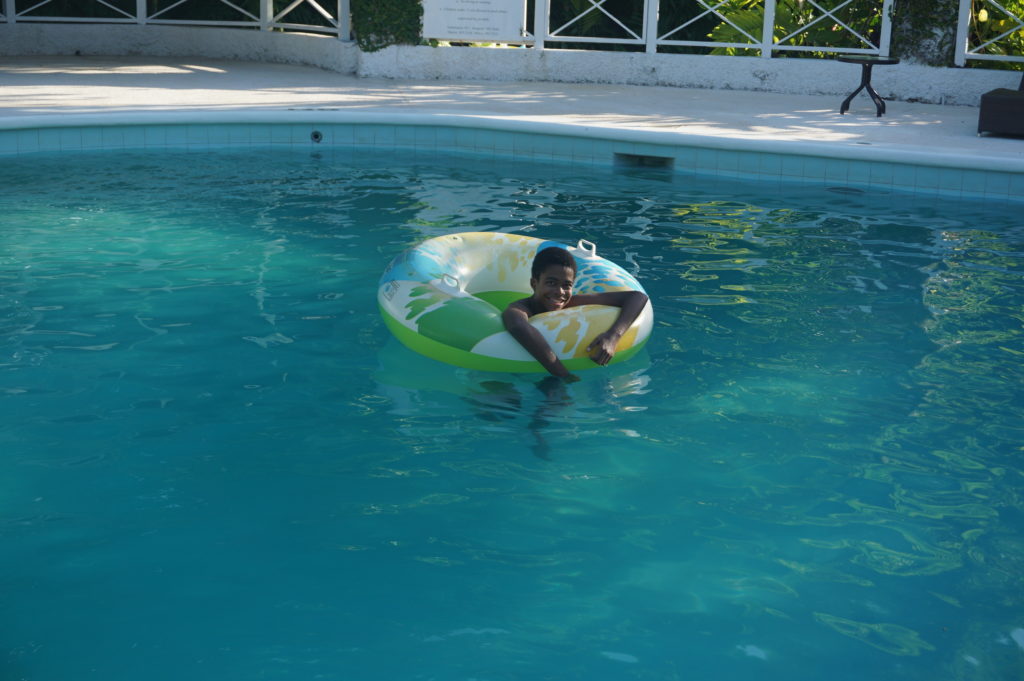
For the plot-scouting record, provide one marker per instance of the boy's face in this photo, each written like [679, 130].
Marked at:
[553, 289]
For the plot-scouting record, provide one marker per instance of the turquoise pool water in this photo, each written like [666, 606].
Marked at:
[217, 464]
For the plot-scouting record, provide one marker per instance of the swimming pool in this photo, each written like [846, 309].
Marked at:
[217, 464]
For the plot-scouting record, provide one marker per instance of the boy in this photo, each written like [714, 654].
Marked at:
[552, 277]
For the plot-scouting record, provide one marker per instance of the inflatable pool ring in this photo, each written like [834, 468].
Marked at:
[444, 297]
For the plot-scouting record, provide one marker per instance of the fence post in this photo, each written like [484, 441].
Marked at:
[140, 12]
[540, 24]
[266, 14]
[768, 29]
[651, 10]
[344, 20]
[962, 24]
[885, 38]
[10, 12]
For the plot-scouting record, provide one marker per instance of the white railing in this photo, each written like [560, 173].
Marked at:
[763, 38]
[267, 18]
[991, 31]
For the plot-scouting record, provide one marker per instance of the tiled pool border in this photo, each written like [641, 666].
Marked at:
[808, 163]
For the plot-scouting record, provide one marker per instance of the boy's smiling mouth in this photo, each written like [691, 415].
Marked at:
[557, 303]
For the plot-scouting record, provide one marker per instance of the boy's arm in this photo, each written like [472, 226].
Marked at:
[632, 303]
[517, 322]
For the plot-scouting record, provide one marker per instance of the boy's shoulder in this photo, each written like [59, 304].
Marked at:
[521, 304]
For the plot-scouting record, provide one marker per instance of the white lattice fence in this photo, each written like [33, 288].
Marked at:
[268, 15]
[990, 30]
[765, 26]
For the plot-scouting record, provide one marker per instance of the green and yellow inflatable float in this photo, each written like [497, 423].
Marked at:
[444, 297]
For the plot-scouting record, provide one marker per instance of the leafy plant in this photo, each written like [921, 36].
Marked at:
[801, 24]
[991, 22]
[379, 23]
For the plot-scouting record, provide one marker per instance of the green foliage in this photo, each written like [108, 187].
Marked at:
[924, 31]
[989, 22]
[801, 24]
[379, 23]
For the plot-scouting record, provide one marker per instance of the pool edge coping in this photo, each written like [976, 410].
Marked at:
[852, 151]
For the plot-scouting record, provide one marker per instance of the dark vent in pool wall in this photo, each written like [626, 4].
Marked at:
[643, 161]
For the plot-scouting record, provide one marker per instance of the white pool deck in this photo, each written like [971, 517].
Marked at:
[49, 90]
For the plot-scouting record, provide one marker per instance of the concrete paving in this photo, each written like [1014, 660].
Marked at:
[61, 86]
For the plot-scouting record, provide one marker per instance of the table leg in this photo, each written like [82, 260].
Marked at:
[845, 106]
[879, 102]
[865, 82]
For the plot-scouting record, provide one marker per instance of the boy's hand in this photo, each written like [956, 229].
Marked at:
[602, 348]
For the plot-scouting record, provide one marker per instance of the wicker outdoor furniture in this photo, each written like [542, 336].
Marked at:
[1002, 111]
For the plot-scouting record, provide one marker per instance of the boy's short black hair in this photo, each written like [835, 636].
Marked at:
[552, 255]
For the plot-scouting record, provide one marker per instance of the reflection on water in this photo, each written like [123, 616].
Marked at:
[526, 409]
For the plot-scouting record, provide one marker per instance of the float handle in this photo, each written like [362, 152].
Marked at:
[452, 282]
[587, 247]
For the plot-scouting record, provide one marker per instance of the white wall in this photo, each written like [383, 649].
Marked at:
[908, 82]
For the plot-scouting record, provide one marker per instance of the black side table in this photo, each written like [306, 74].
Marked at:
[866, 62]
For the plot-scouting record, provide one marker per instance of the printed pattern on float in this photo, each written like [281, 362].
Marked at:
[444, 298]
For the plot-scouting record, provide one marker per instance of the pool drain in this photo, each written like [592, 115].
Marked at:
[316, 136]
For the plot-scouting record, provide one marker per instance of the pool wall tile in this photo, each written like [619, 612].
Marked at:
[727, 161]
[580, 151]
[384, 136]
[880, 173]
[501, 142]
[8, 142]
[405, 136]
[134, 137]
[298, 135]
[425, 137]
[951, 180]
[279, 134]
[49, 143]
[838, 170]
[238, 134]
[1016, 185]
[28, 141]
[707, 160]
[814, 170]
[337, 134]
[154, 136]
[197, 135]
[444, 137]
[464, 138]
[904, 175]
[70, 139]
[362, 135]
[525, 148]
[111, 138]
[561, 147]
[996, 183]
[770, 165]
[791, 166]
[748, 162]
[973, 181]
[926, 178]
[686, 157]
[175, 135]
[483, 142]
[858, 172]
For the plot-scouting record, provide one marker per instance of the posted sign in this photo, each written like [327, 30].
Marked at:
[493, 21]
